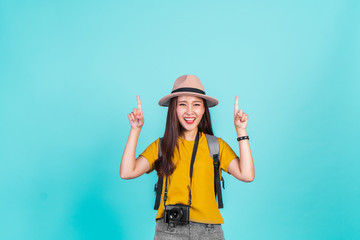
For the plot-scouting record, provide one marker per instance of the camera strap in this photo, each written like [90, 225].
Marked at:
[159, 185]
[196, 144]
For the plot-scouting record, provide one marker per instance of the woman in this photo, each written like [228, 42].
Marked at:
[184, 162]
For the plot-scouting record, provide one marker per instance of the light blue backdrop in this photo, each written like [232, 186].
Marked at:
[69, 75]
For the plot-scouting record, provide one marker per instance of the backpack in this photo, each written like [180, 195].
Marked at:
[214, 148]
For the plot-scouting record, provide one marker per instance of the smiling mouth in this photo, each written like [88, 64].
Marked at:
[189, 120]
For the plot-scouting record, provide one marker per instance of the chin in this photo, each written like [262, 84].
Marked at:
[188, 128]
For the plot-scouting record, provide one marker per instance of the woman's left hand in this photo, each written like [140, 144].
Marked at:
[240, 118]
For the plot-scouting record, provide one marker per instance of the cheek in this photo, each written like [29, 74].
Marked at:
[179, 113]
[200, 113]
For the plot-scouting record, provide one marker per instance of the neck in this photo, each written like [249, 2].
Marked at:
[189, 135]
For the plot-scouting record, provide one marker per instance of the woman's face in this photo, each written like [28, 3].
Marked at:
[189, 111]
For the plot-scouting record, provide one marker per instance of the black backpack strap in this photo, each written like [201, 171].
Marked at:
[217, 180]
[159, 184]
[213, 144]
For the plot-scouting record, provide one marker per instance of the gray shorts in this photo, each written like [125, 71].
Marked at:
[193, 230]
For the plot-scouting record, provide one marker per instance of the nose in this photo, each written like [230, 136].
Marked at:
[189, 109]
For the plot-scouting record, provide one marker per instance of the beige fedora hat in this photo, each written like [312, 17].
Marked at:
[188, 85]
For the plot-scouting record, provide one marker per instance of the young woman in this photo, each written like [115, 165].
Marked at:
[185, 163]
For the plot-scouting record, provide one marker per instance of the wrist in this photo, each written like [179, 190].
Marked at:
[135, 130]
[241, 132]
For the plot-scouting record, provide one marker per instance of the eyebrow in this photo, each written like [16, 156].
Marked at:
[197, 101]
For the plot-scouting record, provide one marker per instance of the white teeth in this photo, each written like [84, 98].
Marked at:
[189, 119]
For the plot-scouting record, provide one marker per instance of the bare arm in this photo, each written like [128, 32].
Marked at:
[131, 167]
[243, 168]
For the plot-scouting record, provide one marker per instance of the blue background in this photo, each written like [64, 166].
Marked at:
[69, 75]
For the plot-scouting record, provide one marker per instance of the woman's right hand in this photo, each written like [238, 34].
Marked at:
[136, 118]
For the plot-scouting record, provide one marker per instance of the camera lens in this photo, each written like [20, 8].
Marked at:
[175, 214]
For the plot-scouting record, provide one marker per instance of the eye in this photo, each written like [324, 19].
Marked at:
[197, 104]
[182, 104]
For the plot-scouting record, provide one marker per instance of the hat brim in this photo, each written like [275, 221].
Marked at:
[211, 102]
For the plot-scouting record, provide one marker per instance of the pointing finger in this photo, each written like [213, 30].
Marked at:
[236, 104]
[139, 103]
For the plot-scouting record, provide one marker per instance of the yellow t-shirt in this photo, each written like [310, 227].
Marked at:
[204, 207]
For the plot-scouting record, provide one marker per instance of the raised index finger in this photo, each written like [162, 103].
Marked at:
[139, 103]
[236, 104]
